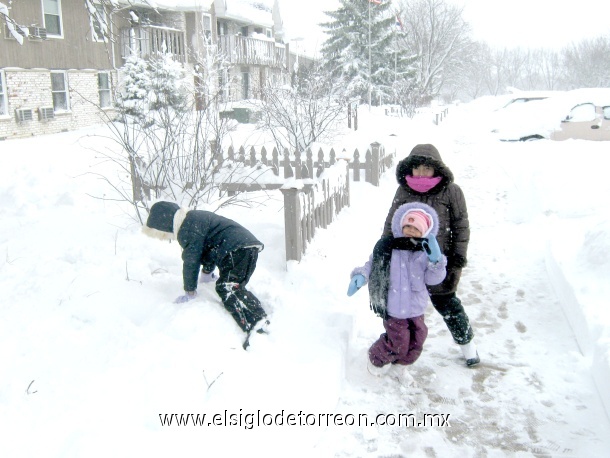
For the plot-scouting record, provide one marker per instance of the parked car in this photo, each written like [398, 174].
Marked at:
[578, 114]
[519, 97]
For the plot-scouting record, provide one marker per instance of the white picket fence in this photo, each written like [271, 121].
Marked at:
[303, 165]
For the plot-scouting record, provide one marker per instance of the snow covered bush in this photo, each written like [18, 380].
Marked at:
[309, 110]
[167, 129]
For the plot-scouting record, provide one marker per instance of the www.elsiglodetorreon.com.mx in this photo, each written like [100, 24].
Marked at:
[260, 419]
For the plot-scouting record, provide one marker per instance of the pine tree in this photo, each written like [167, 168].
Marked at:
[131, 99]
[348, 51]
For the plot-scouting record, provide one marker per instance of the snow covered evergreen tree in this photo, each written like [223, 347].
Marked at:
[361, 48]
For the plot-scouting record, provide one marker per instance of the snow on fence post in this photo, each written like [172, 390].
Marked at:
[292, 224]
[264, 160]
[275, 162]
[288, 173]
[375, 165]
[297, 165]
[320, 165]
[368, 166]
[356, 165]
[309, 163]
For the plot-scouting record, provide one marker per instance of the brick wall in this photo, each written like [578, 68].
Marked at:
[31, 89]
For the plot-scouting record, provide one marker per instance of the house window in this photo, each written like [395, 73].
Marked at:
[223, 28]
[99, 23]
[269, 33]
[52, 17]
[206, 24]
[103, 85]
[3, 96]
[59, 88]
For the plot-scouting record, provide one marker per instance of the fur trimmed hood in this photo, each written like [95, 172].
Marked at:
[403, 209]
[423, 154]
[164, 221]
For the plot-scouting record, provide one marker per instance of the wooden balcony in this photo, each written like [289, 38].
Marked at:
[252, 51]
[146, 41]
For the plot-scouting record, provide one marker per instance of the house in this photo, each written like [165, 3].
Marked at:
[250, 34]
[55, 68]
[60, 60]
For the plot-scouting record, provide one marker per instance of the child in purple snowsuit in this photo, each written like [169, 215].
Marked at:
[397, 273]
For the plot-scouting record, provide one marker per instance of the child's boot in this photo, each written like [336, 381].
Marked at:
[402, 375]
[377, 371]
[260, 328]
[470, 353]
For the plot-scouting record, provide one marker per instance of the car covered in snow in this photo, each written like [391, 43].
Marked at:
[578, 114]
[518, 97]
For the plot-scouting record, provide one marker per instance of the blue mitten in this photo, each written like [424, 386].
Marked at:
[207, 277]
[185, 298]
[432, 249]
[355, 284]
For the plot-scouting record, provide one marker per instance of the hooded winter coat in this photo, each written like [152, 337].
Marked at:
[448, 200]
[400, 291]
[205, 237]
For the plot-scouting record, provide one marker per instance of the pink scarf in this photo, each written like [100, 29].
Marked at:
[422, 184]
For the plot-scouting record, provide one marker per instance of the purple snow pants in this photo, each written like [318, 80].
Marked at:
[402, 343]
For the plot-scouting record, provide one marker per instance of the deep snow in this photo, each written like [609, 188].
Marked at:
[93, 350]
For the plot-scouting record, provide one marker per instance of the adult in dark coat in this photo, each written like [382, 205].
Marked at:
[423, 177]
[208, 241]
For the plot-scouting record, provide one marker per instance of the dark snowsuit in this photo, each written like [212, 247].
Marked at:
[209, 240]
[453, 236]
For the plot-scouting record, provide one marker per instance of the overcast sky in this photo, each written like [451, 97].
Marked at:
[527, 23]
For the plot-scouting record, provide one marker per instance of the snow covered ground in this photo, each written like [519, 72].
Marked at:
[94, 354]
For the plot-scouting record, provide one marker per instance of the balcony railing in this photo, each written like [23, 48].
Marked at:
[146, 41]
[252, 51]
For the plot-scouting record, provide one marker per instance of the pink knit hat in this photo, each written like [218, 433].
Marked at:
[418, 219]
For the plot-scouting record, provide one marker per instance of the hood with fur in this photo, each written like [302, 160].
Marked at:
[403, 209]
[423, 154]
[164, 220]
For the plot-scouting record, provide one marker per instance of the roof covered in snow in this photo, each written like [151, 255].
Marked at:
[258, 12]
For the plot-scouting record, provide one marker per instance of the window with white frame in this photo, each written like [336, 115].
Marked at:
[59, 88]
[52, 17]
[223, 28]
[3, 96]
[103, 85]
[99, 23]
[206, 24]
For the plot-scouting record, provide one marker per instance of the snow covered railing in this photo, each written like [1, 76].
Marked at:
[252, 51]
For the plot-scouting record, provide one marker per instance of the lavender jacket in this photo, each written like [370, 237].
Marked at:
[410, 271]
